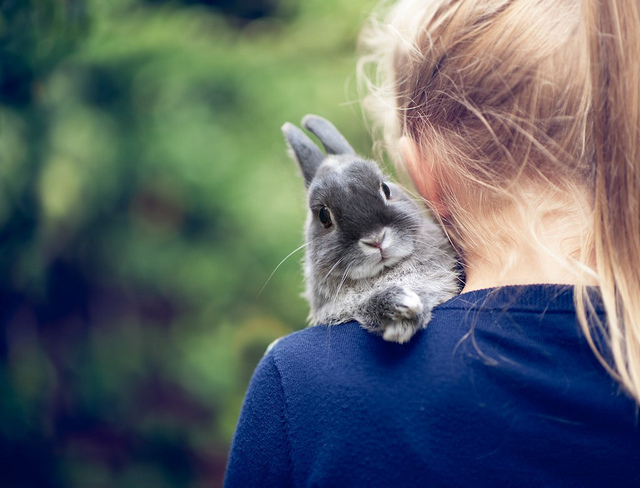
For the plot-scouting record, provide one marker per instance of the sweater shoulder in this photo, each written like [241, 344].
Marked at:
[310, 345]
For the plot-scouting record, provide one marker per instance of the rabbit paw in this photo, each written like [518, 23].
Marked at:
[398, 313]
[405, 314]
[407, 305]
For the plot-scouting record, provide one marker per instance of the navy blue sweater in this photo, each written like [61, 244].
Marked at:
[500, 390]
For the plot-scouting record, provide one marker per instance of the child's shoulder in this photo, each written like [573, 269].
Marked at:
[316, 338]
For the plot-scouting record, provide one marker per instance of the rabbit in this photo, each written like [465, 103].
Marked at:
[372, 255]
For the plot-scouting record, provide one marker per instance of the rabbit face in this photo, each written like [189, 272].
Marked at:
[359, 223]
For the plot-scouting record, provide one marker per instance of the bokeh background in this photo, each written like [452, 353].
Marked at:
[145, 199]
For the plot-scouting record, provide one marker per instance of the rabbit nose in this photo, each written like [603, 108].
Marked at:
[375, 240]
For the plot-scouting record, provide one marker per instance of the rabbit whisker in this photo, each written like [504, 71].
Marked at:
[342, 281]
[332, 268]
[281, 263]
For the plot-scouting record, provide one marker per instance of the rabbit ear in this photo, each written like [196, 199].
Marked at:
[330, 137]
[306, 153]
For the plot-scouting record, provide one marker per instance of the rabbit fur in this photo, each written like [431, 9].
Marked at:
[372, 254]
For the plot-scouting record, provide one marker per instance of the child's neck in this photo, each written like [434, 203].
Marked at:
[552, 256]
[526, 269]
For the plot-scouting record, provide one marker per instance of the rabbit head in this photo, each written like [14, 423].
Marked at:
[359, 223]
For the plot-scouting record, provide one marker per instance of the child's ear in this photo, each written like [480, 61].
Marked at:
[421, 170]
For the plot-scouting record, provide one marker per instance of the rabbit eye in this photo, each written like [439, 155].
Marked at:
[386, 190]
[325, 217]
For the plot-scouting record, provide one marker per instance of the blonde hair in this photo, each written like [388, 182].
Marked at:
[531, 104]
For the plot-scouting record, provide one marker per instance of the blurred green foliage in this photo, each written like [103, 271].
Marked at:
[145, 198]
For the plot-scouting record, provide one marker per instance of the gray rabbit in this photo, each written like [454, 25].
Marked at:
[372, 255]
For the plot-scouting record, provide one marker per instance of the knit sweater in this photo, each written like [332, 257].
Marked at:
[501, 389]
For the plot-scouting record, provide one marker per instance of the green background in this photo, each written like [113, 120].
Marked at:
[145, 198]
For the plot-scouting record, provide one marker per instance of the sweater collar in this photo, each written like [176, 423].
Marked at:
[533, 298]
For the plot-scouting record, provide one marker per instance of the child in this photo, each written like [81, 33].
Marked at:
[519, 122]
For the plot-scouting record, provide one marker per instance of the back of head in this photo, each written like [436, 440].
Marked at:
[496, 89]
[529, 108]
